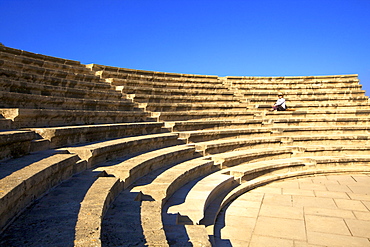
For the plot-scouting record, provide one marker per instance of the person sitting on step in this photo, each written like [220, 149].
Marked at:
[280, 104]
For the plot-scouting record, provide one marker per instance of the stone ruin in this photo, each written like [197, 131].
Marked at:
[93, 155]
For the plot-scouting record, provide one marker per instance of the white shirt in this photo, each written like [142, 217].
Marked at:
[281, 101]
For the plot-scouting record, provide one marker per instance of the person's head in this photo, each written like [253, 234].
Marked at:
[280, 95]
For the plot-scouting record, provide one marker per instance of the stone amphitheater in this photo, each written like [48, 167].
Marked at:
[94, 155]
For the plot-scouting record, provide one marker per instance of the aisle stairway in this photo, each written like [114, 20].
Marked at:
[94, 155]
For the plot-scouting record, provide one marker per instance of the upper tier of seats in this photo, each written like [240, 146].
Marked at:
[35, 87]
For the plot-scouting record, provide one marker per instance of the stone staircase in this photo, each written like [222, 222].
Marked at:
[95, 155]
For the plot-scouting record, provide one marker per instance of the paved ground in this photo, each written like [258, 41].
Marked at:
[312, 211]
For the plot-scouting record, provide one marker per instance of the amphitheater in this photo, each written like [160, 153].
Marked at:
[93, 155]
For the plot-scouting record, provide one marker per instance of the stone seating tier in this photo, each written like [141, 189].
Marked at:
[165, 84]
[28, 178]
[257, 97]
[326, 121]
[226, 145]
[171, 92]
[257, 123]
[296, 87]
[173, 178]
[235, 106]
[311, 105]
[287, 79]
[17, 86]
[122, 72]
[207, 135]
[96, 202]
[260, 87]
[42, 62]
[199, 106]
[144, 98]
[31, 118]
[134, 168]
[253, 114]
[33, 101]
[203, 115]
[98, 152]
[252, 102]
[41, 173]
[303, 99]
[71, 135]
[46, 72]
[293, 95]
[319, 113]
[177, 126]
[12, 51]
[52, 81]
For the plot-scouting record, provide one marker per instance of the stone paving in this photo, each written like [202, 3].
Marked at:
[332, 210]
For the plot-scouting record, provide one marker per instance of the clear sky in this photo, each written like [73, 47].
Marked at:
[213, 37]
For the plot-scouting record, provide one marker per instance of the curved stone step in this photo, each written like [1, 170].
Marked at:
[318, 113]
[207, 135]
[54, 81]
[93, 207]
[200, 197]
[44, 71]
[116, 72]
[183, 126]
[98, 152]
[204, 115]
[173, 178]
[142, 89]
[199, 106]
[144, 98]
[192, 125]
[23, 86]
[70, 135]
[22, 53]
[170, 84]
[33, 101]
[30, 118]
[224, 145]
[327, 121]
[34, 176]
[132, 169]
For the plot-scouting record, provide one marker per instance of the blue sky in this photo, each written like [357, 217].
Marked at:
[224, 38]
